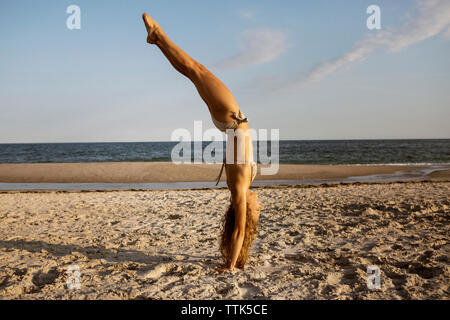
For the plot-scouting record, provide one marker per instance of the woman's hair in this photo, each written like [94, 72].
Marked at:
[227, 232]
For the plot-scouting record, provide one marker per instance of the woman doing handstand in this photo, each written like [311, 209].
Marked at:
[239, 224]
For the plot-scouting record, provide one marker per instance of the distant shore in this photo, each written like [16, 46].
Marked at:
[166, 172]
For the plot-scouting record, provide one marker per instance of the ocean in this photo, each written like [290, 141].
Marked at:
[338, 152]
[429, 156]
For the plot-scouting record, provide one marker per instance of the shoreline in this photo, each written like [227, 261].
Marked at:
[150, 172]
[259, 187]
[103, 176]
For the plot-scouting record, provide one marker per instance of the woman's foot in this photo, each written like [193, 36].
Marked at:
[152, 27]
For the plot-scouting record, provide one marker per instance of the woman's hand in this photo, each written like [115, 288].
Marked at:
[224, 269]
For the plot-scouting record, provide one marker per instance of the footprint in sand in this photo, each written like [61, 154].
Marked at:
[398, 280]
[157, 271]
[249, 291]
[41, 279]
[423, 271]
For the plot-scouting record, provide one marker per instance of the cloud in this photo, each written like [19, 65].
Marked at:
[258, 46]
[427, 19]
[245, 15]
[446, 34]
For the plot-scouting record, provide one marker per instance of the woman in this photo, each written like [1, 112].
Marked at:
[239, 225]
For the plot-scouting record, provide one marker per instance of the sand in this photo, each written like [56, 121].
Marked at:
[141, 172]
[313, 243]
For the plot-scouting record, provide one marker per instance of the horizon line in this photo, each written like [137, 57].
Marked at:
[352, 139]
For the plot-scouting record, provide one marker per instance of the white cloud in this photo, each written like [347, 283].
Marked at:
[428, 18]
[258, 46]
[245, 15]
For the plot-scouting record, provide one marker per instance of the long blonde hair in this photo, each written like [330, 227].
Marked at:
[228, 222]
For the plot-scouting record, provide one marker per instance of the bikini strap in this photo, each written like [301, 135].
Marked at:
[221, 170]
[239, 117]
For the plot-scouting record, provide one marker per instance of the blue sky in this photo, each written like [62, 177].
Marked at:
[309, 68]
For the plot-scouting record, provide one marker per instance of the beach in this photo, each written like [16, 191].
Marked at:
[313, 242]
[156, 172]
[134, 134]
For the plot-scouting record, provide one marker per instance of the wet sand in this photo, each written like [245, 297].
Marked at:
[313, 242]
[141, 172]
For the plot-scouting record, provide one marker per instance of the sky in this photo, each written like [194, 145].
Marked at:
[311, 69]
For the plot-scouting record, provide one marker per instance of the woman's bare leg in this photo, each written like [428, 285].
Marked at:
[216, 95]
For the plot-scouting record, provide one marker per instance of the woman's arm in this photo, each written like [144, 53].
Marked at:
[238, 180]
[237, 238]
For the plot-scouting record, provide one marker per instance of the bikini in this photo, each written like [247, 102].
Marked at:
[223, 126]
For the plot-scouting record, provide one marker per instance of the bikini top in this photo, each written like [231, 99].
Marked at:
[223, 126]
